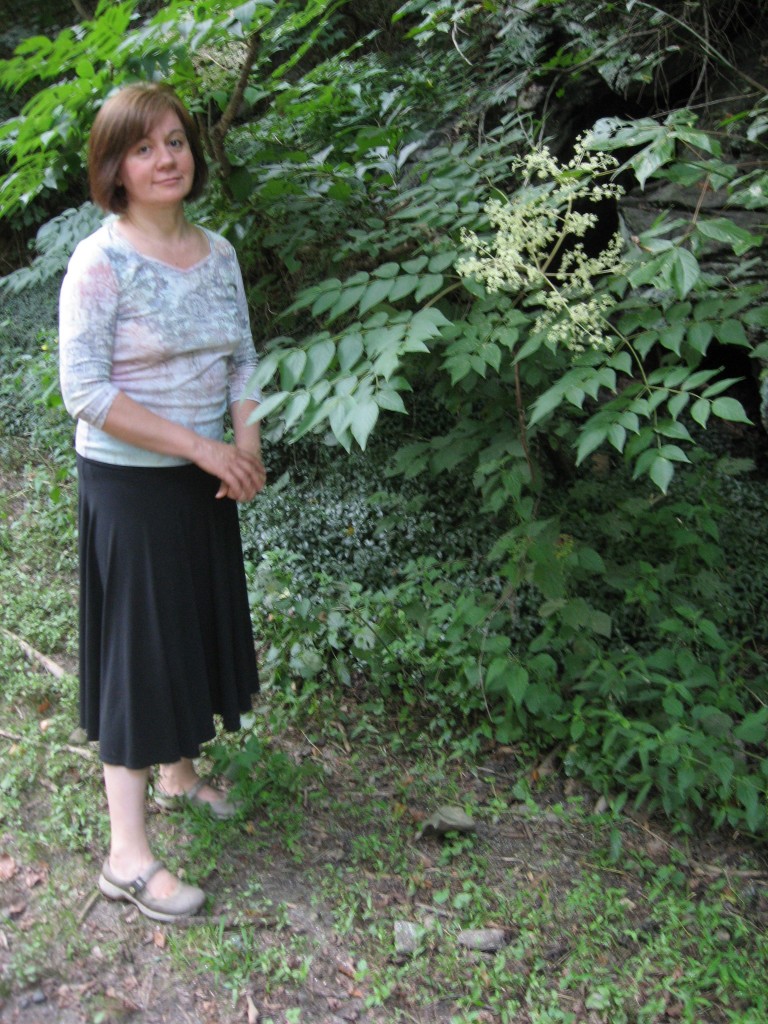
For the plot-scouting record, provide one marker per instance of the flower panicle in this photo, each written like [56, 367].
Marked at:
[536, 250]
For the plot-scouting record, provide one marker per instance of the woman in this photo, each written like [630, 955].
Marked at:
[154, 345]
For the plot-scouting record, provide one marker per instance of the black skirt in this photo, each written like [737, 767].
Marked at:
[165, 629]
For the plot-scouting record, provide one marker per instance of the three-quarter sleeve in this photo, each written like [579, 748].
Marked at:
[88, 305]
[244, 360]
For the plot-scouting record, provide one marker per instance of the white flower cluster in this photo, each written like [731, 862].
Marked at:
[534, 252]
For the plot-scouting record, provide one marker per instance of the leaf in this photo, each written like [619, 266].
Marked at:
[661, 472]
[386, 270]
[391, 400]
[350, 349]
[295, 408]
[600, 622]
[589, 442]
[428, 285]
[677, 403]
[291, 368]
[386, 363]
[730, 409]
[546, 403]
[324, 301]
[340, 416]
[415, 266]
[672, 338]
[650, 159]
[403, 286]
[270, 404]
[494, 676]
[723, 230]
[433, 316]
[673, 451]
[622, 361]
[363, 420]
[424, 326]
[266, 369]
[442, 261]
[617, 436]
[319, 358]
[376, 292]
[684, 271]
[753, 728]
[84, 69]
[346, 300]
[731, 332]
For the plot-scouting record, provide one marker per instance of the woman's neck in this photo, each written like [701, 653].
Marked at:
[164, 225]
[165, 235]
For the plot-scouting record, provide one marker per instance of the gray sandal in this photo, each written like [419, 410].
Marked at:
[185, 902]
[221, 809]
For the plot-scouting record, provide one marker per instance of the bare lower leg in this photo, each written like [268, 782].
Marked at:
[129, 852]
[181, 776]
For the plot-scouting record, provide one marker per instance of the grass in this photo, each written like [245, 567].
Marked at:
[607, 919]
[627, 941]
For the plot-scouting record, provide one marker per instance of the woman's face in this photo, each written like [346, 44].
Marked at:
[158, 170]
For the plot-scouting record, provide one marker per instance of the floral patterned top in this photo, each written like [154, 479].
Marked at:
[176, 340]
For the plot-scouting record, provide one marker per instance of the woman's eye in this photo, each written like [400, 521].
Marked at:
[177, 143]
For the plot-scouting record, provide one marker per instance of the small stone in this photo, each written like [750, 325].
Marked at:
[485, 940]
[38, 996]
[406, 937]
[657, 849]
[448, 819]
[723, 936]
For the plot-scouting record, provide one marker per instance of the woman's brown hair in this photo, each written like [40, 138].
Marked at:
[125, 119]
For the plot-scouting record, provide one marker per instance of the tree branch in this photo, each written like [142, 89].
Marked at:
[82, 12]
[222, 126]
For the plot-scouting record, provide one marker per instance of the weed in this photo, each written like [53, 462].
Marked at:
[236, 958]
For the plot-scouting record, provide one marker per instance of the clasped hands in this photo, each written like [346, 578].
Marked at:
[242, 473]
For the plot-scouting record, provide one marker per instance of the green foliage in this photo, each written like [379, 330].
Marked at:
[54, 243]
[412, 246]
[45, 142]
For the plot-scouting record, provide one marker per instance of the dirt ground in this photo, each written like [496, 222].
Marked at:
[128, 973]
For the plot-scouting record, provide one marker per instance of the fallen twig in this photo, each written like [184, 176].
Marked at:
[42, 659]
[714, 869]
[80, 751]
[88, 907]
[226, 922]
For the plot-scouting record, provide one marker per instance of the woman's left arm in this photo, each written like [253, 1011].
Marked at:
[247, 439]
[244, 397]
[247, 434]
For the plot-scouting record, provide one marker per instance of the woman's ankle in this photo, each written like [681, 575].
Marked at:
[177, 778]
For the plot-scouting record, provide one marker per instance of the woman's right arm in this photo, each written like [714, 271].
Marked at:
[87, 319]
[241, 474]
